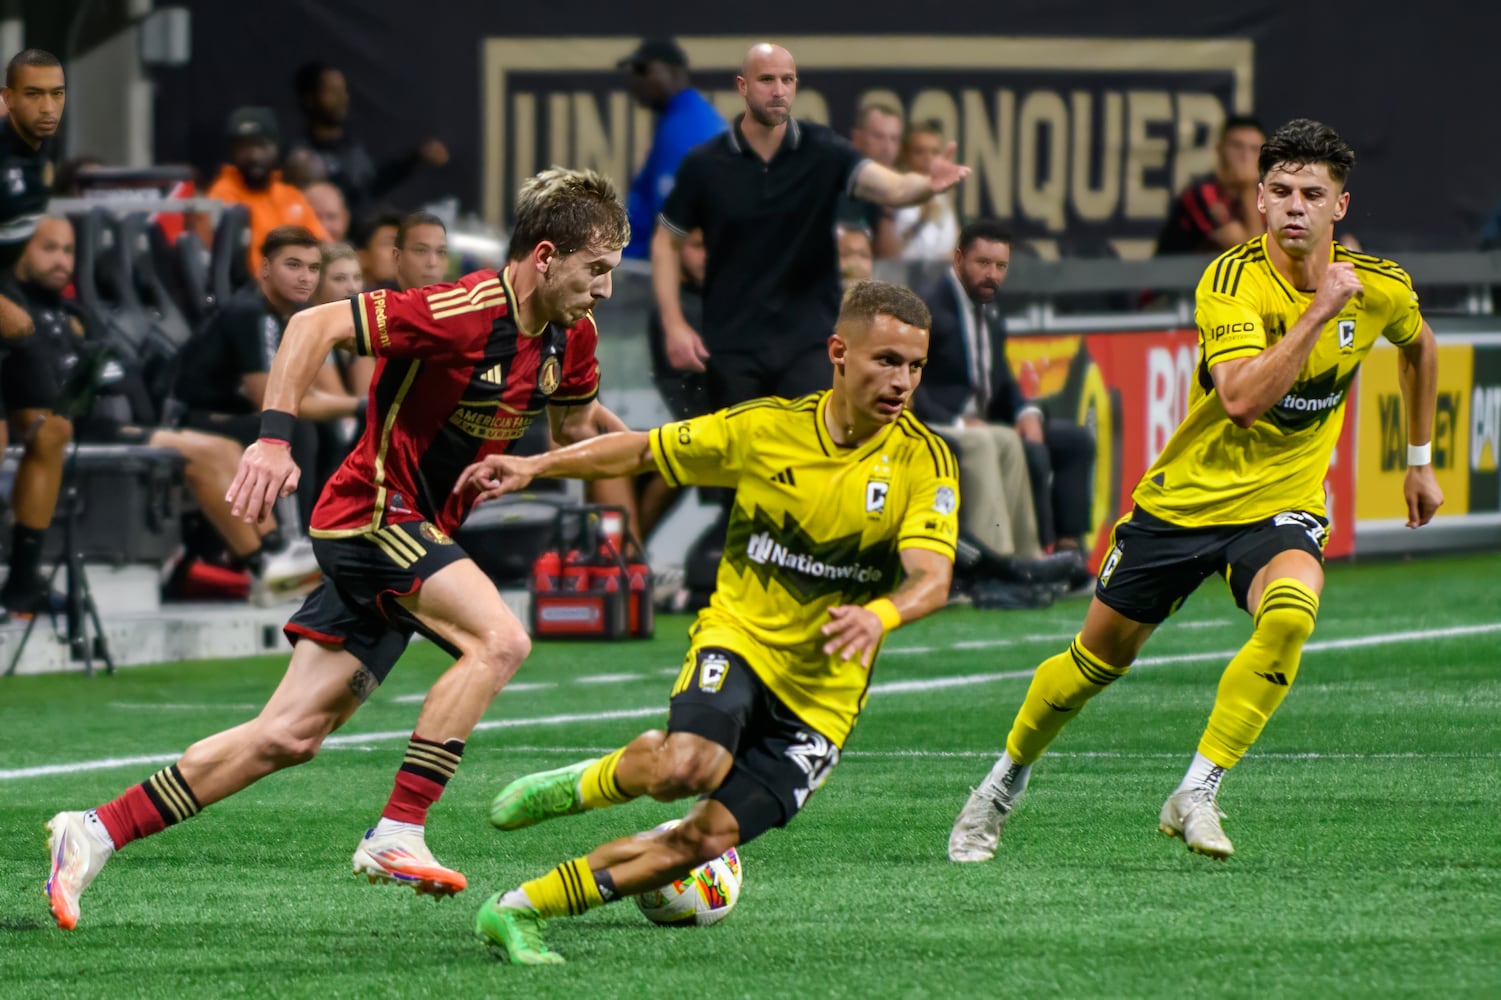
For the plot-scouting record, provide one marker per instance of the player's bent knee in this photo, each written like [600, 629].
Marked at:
[694, 842]
[1288, 612]
[53, 435]
[682, 777]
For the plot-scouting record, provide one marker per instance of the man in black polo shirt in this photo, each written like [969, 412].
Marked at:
[34, 96]
[765, 194]
[223, 369]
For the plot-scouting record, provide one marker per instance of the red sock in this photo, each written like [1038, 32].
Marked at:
[423, 775]
[150, 807]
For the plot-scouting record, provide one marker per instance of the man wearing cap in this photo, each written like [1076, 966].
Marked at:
[658, 75]
[250, 178]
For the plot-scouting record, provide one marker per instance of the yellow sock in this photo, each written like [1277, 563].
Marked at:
[1059, 688]
[566, 891]
[597, 785]
[1259, 676]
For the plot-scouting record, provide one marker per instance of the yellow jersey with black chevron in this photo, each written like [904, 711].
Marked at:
[1212, 472]
[813, 525]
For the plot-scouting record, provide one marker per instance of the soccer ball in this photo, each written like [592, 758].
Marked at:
[702, 897]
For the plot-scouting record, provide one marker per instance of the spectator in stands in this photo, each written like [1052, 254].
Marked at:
[340, 277]
[374, 238]
[123, 412]
[250, 178]
[323, 98]
[1025, 480]
[34, 94]
[928, 231]
[657, 72]
[765, 194]
[328, 205]
[1218, 210]
[223, 368]
[878, 135]
[856, 256]
[302, 168]
[29, 393]
[421, 251]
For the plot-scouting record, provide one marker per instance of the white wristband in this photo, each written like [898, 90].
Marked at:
[1420, 454]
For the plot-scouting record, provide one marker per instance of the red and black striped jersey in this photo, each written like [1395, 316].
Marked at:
[456, 379]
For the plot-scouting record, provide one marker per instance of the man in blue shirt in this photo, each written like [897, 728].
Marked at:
[658, 75]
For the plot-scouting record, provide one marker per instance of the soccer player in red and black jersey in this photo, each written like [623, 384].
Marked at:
[461, 371]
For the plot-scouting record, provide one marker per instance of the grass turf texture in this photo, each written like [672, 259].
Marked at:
[1371, 869]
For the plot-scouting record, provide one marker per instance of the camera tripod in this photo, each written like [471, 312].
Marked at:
[80, 611]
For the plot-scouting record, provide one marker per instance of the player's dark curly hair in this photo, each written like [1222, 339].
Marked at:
[865, 300]
[1303, 141]
[571, 209]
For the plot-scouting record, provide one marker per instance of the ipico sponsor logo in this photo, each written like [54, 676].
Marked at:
[763, 549]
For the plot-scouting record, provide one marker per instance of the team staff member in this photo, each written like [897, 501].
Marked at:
[765, 194]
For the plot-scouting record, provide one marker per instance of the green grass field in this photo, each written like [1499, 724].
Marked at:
[1367, 825]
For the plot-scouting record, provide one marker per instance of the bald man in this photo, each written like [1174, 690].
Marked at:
[765, 193]
[328, 205]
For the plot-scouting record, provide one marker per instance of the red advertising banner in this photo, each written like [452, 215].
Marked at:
[1132, 389]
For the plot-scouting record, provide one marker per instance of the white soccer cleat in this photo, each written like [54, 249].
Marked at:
[286, 575]
[403, 858]
[1193, 814]
[77, 856]
[977, 831]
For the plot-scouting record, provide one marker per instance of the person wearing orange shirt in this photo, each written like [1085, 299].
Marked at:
[250, 178]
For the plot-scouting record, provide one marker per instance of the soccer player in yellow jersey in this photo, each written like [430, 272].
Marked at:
[838, 496]
[1284, 321]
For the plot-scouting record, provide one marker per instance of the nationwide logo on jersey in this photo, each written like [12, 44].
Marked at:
[549, 377]
[807, 569]
[1347, 335]
[1310, 403]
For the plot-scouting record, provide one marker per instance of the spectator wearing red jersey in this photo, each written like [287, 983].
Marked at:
[1218, 210]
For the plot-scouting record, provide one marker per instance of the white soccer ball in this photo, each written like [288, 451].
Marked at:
[702, 897]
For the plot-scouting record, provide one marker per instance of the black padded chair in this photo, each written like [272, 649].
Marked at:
[138, 235]
[192, 269]
[227, 268]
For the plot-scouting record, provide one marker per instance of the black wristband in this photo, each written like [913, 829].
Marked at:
[278, 425]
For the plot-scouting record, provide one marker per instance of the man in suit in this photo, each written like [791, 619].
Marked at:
[1025, 479]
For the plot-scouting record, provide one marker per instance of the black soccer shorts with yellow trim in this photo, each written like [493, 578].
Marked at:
[779, 760]
[1152, 565]
[357, 607]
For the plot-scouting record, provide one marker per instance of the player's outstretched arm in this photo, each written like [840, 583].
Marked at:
[1417, 375]
[626, 453]
[857, 630]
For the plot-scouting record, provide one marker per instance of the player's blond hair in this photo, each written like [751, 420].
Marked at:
[571, 209]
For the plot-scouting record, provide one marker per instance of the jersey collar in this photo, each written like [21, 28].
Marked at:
[845, 452]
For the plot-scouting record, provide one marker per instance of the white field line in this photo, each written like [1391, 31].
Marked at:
[892, 687]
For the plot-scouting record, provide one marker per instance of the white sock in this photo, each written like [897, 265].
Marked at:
[517, 899]
[100, 832]
[386, 827]
[1007, 780]
[1202, 773]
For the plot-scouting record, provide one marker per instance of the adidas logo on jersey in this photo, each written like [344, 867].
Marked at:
[785, 477]
[495, 376]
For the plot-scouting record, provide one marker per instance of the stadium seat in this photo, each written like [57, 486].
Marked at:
[136, 236]
[227, 268]
[192, 268]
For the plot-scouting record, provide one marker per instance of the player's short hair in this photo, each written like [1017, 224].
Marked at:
[571, 209]
[862, 116]
[990, 230]
[39, 58]
[865, 300]
[282, 237]
[1242, 121]
[1303, 141]
[412, 221]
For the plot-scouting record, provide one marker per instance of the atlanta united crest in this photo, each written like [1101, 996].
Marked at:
[548, 379]
[434, 534]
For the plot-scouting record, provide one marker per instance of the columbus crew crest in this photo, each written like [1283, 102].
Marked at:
[548, 378]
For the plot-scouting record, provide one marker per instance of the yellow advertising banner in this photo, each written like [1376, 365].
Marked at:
[1382, 442]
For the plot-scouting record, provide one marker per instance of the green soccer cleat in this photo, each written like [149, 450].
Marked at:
[515, 930]
[540, 796]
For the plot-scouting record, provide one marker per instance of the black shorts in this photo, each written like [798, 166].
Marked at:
[29, 375]
[1153, 566]
[779, 760]
[356, 606]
